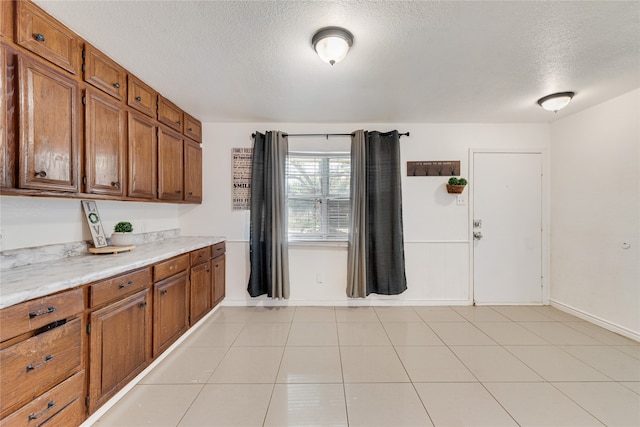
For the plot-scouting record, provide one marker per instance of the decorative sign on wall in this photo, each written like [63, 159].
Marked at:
[95, 225]
[434, 168]
[241, 190]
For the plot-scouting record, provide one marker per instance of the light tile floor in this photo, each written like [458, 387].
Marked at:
[390, 366]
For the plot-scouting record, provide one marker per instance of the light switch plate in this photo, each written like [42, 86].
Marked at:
[461, 199]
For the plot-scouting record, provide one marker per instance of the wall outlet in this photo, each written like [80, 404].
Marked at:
[461, 199]
[319, 278]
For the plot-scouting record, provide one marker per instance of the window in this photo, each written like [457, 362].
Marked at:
[318, 195]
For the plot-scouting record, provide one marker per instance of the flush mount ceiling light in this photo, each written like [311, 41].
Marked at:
[332, 44]
[556, 101]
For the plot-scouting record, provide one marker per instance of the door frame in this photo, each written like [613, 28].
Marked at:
[545, 211]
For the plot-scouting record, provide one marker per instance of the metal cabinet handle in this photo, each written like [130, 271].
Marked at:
[178, 122]
[116, 184]
[164, 292]
[41, 174]
[143, 304]
[190, 129]
[33, 416]
[40, 313]
[39, 37]
[124, 285]
[47, 359]
[191, 193]
[138, 98]
[116, 85]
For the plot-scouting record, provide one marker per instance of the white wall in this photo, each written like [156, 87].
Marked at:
[36, 221]
[595, 207]
[436, 228]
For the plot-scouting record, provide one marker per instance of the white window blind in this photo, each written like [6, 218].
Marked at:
[318, 192]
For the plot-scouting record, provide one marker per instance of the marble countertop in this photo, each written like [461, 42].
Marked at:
[27, 282]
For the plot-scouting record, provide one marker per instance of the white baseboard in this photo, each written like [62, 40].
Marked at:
[620, 330]
[352, 302]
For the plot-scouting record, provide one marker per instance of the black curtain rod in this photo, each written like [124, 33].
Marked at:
[327, 135]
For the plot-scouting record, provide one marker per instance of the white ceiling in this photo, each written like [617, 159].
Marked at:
[412, 61]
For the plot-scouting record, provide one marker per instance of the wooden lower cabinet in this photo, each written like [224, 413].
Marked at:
[170, 310]
[119, 345]
[219, 284]
[200, 295]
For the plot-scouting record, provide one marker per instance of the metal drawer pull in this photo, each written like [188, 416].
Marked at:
[143, 304]
[47, 359]
[39, 37]
[164, 292]
[33, 416]
[124, 285]
[41, 174]
[116, 184]
[190, 129]
[116, 85]
[138, 98]
[40, 313]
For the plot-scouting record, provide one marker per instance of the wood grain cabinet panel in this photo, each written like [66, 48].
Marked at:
[192, 128]
[200, 292]
[105, 145]
[45, 36]
[170, 165]
[169, 114]
[49, 129]
[168, 268]
[118, 287]
[8, 117]
[192, 172]
[35, 365]
[6, 18]
[170, 311]
[142, 157]
[142, 97]
[219, 279]
[119, 346]
[103, 73]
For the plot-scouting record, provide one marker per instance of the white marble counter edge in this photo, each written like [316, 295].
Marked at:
[32, 281]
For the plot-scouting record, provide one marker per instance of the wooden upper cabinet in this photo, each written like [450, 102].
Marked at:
[103, 73]
[142, 155]
[8, 151]
[170, 165]
[192, 128]
[169, 114]
[142, 97]
[192, 172]
[45, 36]
[6, 18]
[105, 145]
[49, 129]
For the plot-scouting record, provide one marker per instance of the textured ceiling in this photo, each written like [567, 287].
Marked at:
[412, 61]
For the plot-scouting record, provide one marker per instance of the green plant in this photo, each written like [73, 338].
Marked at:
[457, 181]
[123, 227]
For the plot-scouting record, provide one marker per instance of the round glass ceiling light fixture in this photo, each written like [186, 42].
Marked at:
[332, 44]
[555, 101]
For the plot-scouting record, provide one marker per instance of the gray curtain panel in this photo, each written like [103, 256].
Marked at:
[384, 239]
[268, 241]
[356, 256]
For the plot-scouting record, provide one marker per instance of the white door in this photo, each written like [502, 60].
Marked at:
[507, 228]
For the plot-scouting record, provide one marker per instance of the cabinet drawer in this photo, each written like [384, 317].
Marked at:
[53, 406]
[142, 97]
[103, 73]
[169, 268]
[217, 250]
[34, 314]
[118, 287]
[169, 114]
[200, 256]
[192, 128]
[38, 363]
[45, 36]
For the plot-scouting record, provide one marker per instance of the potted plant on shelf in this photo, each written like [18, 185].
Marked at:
[122, 234]
[456, 185]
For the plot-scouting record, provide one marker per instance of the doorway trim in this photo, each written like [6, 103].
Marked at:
[545, 211]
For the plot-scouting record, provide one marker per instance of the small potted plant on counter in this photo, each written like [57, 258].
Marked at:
[122, 234]
[456, 185]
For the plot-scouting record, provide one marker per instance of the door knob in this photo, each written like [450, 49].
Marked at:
[477, 223]
[477, 235]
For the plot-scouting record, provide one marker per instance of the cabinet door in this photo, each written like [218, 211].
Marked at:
[218, 279]
[169, 114]
[142, 97]
[142, 152]
[170, 165]
[192, 128]
[105, 125]
[192, 172]
[8, 100]
[170, 311]
[200, 295]
[103, 73]
[48, 123]
[45, 36]
[119, 346]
